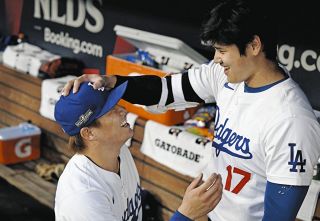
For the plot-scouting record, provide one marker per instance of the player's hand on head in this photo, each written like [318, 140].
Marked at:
[200, 199]
[97, 80]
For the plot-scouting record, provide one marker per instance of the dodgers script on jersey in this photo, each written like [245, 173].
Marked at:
[262, 134]
[88, 192]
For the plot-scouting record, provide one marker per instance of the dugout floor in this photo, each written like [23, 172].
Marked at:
[18, 206]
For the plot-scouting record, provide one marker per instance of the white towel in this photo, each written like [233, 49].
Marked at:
[27, 58]
[10, 55]
[23, 62]
[131, 119]
[179, 150]
[308, 207]
[50, 94]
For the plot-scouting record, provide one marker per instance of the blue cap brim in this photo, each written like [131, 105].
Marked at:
[113, 98]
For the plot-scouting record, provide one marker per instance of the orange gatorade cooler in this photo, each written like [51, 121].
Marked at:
[19, 143]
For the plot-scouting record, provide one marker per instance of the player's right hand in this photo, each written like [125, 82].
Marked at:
[199, 200]
[98, 81]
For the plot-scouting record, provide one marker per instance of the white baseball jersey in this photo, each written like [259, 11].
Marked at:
[261, 134]
[88, 192]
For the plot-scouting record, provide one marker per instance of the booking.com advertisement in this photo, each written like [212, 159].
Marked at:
[68, 28]
[83, 29]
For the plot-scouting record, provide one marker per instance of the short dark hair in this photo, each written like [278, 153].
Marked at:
[237, 22]
[76, 142]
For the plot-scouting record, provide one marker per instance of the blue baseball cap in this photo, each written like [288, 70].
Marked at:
[78, 110]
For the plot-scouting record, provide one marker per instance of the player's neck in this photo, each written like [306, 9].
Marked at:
[104, 157]
[266, 73]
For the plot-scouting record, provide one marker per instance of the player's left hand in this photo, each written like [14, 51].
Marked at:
[199, 200]
[96, 79]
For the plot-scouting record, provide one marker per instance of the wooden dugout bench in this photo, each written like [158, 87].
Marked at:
[20, 97]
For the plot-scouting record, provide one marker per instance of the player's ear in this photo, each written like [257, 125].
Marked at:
[255, 46]
[87, 134]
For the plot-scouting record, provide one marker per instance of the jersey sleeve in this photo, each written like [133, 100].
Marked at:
[207, 81]
[282, 202]
[86, 206]
[177, 91]
[292, 150]
[177, 216]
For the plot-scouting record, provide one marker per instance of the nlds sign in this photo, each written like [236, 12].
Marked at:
[70, 28]
[74, 15]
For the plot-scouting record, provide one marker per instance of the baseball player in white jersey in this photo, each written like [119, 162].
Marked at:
[267, 138]
[84, 190]
[101, 182]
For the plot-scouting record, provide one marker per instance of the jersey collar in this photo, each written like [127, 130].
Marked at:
[248, 89]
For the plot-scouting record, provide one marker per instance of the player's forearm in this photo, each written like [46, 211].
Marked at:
[145, 90]
[148, 90]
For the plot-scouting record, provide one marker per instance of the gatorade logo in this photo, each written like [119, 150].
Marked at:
[22, 148]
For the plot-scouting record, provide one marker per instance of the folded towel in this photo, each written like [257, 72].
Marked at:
[309, 204]
[131, 119]
[175, 148]
[50, 94]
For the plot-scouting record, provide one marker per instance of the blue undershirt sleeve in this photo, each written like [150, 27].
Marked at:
[282, 202]
[177, 216]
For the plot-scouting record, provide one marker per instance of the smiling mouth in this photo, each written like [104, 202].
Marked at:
[124, 124]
